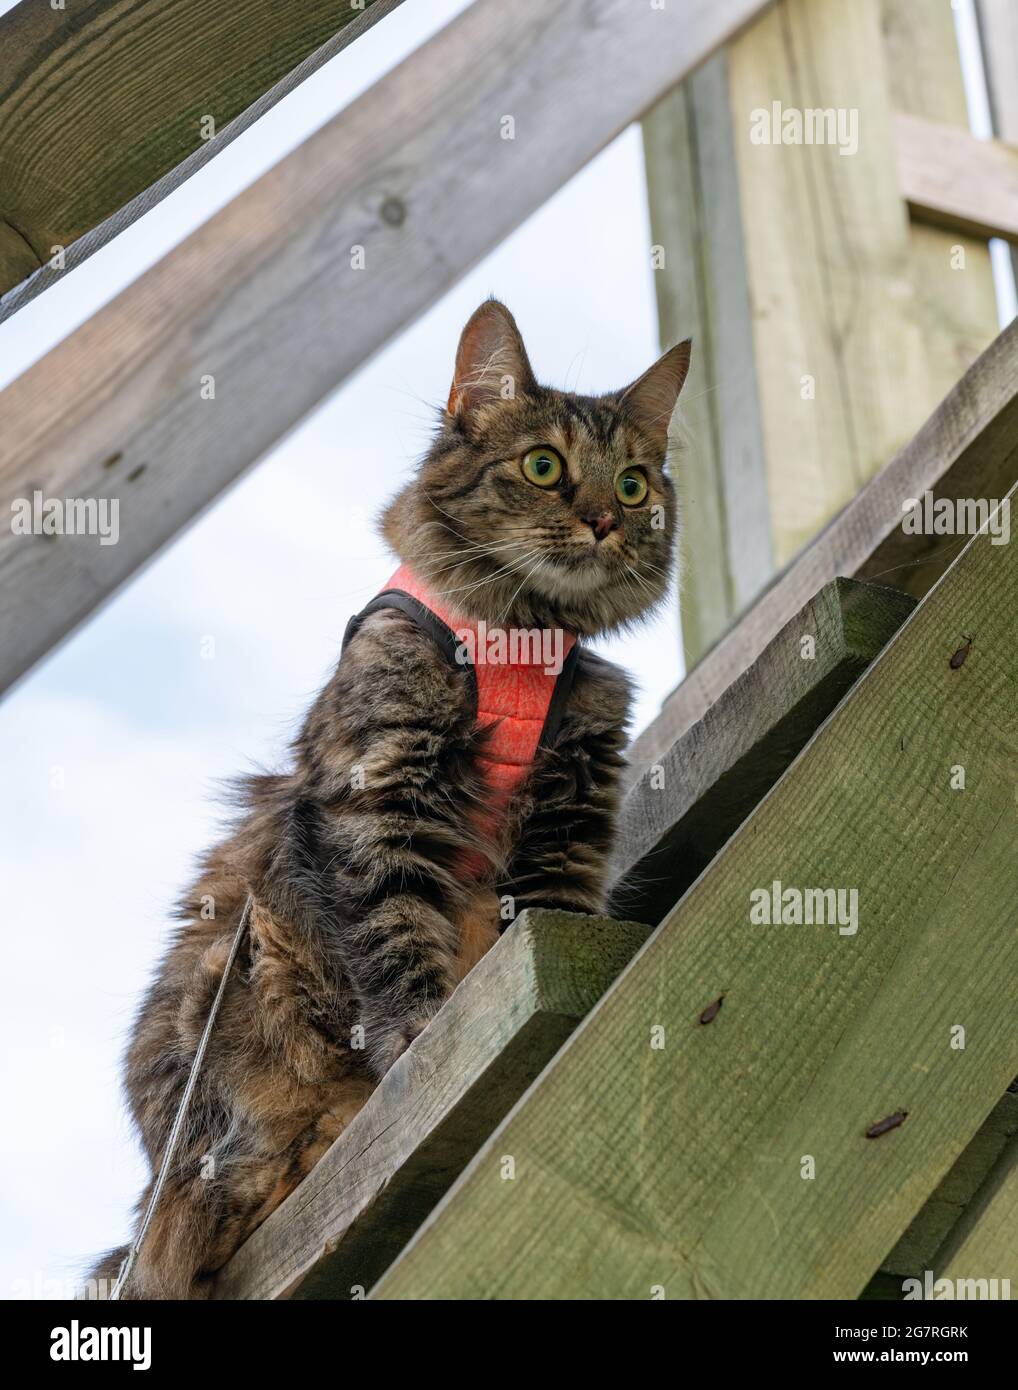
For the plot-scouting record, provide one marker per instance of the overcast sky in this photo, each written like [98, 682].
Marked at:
[112, 748]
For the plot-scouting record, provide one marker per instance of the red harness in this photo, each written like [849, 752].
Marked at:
[520, 681]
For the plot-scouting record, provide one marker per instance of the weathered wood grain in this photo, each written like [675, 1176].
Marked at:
[938, 1220]
[685, 1167]
[951, 273]
[702, 292]
[951, 179]
[998, 28]
[840, 362]
[968, 448]
[984, 1245]
[270, 303]
[102, 104]
[683, 809]
[827, 327]
[357, 1209]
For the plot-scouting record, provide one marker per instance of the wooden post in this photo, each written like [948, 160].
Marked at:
[827, 328]
[951, 272]
[998, 28]
[717, 440]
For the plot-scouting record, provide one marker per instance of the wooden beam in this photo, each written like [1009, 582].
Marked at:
[759, 1110]
[998, 30]
[291, 287]
[951, 179]
[356, 1210]
[801, 279]
[952, 278]
[683, 809]
[702, 292]
[936, 1225]
[985, 1244]
[968, 448]
[102, 108]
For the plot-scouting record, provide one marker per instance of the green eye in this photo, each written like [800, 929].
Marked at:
[631, 487]
[542, 466]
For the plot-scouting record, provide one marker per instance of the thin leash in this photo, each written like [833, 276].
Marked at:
[185, 1100]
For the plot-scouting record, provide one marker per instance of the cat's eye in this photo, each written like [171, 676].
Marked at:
[542, 466]
[631, 487]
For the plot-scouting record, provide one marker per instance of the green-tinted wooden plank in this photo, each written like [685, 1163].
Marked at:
[986, 1246]
[354, 1213]
[105, 102]
[632, 1167]
[936, 1222]
[684, 808]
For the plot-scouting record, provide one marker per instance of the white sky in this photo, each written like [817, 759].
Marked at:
[113, 747]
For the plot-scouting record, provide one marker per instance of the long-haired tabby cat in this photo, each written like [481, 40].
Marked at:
[378, 864]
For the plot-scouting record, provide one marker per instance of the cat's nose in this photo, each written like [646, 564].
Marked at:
[601, 523]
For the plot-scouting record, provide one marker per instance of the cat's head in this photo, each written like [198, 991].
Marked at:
[535, 507]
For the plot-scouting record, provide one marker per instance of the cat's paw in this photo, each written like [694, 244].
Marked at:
[387, 1039]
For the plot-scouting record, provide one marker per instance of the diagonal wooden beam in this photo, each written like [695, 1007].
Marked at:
[678, 815]
[306, 274]
[942, 1222]
[353, 1214]
[951, 179]
[984, 1246]
[104, 109]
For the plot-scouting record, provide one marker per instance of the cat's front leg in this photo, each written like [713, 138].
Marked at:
[567, 819]
[391, 781]
[401, 957]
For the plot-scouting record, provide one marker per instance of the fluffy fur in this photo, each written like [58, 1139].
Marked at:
[360, 915]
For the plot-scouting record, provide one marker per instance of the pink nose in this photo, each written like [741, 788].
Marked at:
[602, 524]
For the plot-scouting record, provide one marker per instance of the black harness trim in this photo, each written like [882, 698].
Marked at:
[440, 633]
[447, 642]
[559, 698]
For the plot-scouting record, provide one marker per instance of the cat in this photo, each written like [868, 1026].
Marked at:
[378, 866]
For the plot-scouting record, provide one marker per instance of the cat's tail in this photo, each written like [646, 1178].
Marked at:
[99, 1284]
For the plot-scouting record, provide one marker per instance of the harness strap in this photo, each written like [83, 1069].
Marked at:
[452, 648]
[440, 633]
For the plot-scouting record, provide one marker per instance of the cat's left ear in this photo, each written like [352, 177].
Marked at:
[491, 361]
[651, 398]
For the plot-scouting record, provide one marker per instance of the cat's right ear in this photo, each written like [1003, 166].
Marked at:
[652, 397]
[491, 361]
